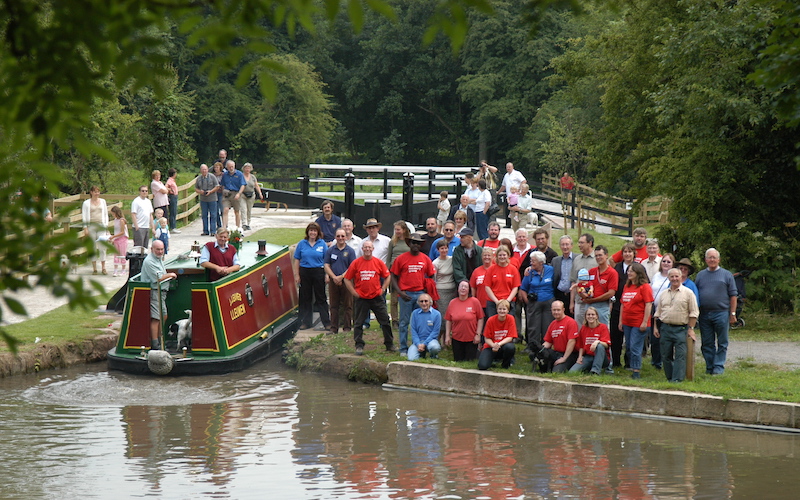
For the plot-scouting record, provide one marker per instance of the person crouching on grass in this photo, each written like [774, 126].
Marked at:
[499, 334]
[425, 325]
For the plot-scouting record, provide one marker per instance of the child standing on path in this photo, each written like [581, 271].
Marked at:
[444, 210]
[119, 239]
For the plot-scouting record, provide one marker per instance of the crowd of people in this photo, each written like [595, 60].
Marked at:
[481, 296]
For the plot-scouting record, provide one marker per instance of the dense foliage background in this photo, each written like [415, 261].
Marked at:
[696, 100]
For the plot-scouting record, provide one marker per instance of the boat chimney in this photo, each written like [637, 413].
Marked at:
[262, 248]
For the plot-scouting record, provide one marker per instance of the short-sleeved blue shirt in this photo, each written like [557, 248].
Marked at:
[232, 182]
[340, 260]
[311, 257]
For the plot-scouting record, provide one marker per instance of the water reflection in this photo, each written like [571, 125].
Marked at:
[273, 432]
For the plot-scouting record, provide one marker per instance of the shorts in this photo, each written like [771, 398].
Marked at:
[229, 201]
[154, 304]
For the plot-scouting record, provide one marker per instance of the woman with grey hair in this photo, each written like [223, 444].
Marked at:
[251, 192]
[536, 292]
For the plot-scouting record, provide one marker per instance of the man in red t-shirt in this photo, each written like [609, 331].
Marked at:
[604, 280]
[363, 280]
[639, 241]
[409, 271]
[561, 337]
[493, 241]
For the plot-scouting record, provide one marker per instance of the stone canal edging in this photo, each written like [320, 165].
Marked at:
[533, 389]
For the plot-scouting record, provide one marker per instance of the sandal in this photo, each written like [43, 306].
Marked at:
[105, 272]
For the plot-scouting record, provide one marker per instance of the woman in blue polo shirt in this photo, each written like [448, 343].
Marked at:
[309, 260]
[536, 291]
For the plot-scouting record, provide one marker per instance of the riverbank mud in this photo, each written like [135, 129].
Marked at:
[47, 356]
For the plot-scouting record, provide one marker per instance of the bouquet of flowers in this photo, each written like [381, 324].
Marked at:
[235, 234]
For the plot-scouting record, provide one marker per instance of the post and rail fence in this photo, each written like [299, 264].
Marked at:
[391, 193]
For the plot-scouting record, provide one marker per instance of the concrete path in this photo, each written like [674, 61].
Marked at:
[40, 301]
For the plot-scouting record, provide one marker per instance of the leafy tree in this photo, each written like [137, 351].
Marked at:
[297, 127]
[504, 75]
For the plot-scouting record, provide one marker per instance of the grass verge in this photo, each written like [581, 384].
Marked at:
[59, 326]
[742, 379]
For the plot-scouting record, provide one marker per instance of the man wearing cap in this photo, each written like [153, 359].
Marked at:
[450, 237]
[687, 268]
[431, 234]
[585, 260]
[718, 296]
[363, 279]
[380, 243]
[466, 256]
[677, 309]
[409, 271]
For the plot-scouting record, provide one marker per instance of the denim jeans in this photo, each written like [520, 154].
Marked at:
[634, 339]
[481, 225]
[406, 308]
[208, 210]
[433, 348]
[173, 210]
[673, 351]
[603, 313]
[714, 327]
[597, 362]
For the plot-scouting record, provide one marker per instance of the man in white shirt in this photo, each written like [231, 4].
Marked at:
[513, 178]
[351, 239]
[142, 218]
[380, 242]
[523, 210]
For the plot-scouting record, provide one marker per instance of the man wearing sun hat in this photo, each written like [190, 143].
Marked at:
[687, 269]
[409, 271]
[380, 243]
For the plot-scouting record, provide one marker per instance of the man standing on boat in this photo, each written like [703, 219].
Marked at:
[153, 271]
[363, 279]
[218, 257]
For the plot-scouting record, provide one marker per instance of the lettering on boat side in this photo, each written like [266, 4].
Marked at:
[235, 297]
[238, 311]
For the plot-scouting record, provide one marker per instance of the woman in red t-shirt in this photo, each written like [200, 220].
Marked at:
[635, 308]
[502, 281]
[464, 324]
[499, 334]
[594, 340]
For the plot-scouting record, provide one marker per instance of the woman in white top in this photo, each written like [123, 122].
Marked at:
[160, 193]
[482, 203]
[445, 281]
[659, 284]
[94, 213]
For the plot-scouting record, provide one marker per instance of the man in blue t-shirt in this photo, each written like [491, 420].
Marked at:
[233, 184]
[337, 260]
[328, 222]
[718, 296]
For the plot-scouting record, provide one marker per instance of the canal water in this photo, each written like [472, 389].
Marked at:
[271, 432]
